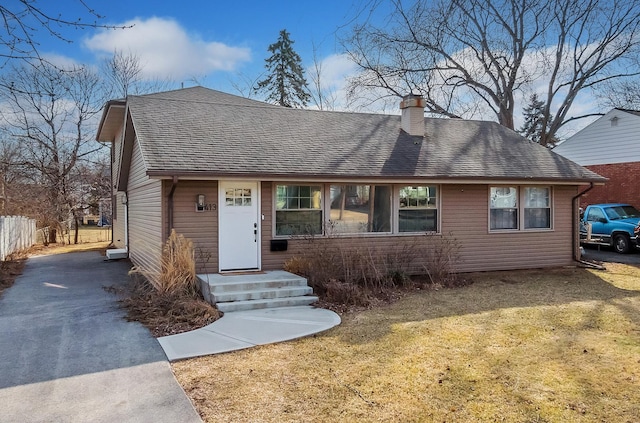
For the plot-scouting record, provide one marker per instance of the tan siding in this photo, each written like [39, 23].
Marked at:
[465, 217]
[464, 212]
[270, 260]
[145, 215]
[200, 227]
[118, 222]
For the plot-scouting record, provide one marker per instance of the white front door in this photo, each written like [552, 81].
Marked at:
[239, 232]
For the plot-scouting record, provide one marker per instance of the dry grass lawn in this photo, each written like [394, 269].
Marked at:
[529, 346]
[88, 234]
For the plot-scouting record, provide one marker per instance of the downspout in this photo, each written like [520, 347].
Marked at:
[170, 204]
[575, 239]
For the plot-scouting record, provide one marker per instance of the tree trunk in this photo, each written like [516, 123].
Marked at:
[75, 224]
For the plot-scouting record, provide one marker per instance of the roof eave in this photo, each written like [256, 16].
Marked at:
[470, 179]
[110, 120]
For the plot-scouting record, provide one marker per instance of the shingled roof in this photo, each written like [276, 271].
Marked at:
[198, 131]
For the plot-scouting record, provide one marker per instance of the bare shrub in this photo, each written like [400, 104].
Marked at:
[439, 261]
[346, 293]
[338, 269]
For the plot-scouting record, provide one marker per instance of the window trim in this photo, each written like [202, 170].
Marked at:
[396, 209]
[325, 189]
[327, 209]
[274, 209]
[521, 209]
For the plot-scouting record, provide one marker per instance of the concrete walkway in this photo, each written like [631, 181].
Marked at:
[68, 355]
[243, 329]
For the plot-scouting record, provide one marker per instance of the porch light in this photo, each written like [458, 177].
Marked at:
[200, 203]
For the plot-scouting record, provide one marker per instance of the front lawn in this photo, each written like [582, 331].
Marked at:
[528, 346]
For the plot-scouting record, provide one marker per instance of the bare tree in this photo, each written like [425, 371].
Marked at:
[24, 20]
[472, 56]
[321, 95]
[52, 114]
[621, 94]
[124, 75]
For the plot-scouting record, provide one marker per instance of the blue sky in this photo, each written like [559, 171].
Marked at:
[219, 44]
[213, 42]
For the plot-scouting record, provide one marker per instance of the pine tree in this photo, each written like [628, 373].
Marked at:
[533, 118]
[285, 84]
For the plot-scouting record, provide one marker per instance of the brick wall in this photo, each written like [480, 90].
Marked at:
[623, 185]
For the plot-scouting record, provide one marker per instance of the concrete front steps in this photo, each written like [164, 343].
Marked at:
[252, 291]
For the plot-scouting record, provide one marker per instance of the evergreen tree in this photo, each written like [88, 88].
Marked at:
[285, 84]
[534, 119]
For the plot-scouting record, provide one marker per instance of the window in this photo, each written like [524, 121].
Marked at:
[237, 197]
[504, 208]
[298, 209]
[514, 207]
[595, 215]
[537, 208]
[360, 208]
[417, 209]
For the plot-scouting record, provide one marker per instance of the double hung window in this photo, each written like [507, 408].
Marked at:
[512, 208]
[298, 209]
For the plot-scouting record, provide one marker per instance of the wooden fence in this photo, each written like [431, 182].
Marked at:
[16, 233]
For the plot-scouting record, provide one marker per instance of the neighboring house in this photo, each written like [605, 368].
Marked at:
[239, 177]
[610, 146]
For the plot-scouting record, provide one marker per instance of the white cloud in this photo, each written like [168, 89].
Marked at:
[60, 61]
[334, 72]
[336, 68]
[166, 50]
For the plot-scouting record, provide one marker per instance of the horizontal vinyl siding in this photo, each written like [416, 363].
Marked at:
[602, 143]
[119, 222]
[200, 227]
[464, 211]
[465, 214]
[145, 215]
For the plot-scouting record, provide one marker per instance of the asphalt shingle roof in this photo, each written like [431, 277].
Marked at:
[206, 132]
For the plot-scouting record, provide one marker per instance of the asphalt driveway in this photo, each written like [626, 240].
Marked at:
[67, 354]
[606, 254]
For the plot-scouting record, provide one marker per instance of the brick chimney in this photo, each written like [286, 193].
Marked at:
[412, 107]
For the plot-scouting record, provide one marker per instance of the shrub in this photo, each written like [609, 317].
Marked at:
[342, 272]
[439, 261]
[346, 293]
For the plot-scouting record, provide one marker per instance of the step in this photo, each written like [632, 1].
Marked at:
[226, 283]
[260, 294]
[266, 303]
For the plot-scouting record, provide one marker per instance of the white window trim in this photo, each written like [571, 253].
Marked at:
[395, 209]
[274, 201]
[521, 208]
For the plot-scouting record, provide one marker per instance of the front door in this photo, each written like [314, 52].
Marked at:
[239, 235]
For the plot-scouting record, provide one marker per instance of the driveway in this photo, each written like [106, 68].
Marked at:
[67, 354]
[606, 254]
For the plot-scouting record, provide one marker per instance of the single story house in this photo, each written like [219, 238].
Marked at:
[241, 178]
[609, 146]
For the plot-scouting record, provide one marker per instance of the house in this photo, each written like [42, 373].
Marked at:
[610, 146]
[240, 177]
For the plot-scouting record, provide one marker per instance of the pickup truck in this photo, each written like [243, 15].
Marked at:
[616, 225]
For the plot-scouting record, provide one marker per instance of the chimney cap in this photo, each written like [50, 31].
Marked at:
[412, 100]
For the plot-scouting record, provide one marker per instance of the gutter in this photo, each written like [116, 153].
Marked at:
[576, 235]
[170, 203]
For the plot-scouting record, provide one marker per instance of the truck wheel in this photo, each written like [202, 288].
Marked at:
[621, 243]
